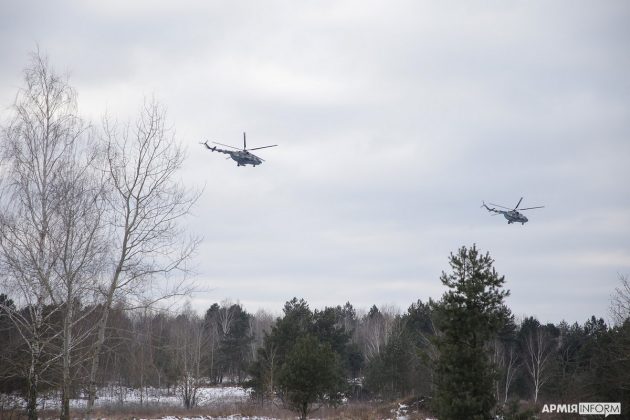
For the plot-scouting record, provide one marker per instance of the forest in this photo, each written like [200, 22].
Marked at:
[339, 353]
[92, 249]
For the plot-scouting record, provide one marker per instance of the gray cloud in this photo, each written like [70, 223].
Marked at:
[395, 120]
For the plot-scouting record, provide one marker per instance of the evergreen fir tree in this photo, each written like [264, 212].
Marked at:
[470, 315]
[311, 374]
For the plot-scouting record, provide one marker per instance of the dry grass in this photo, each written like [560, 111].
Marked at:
[248, 409]
[355, 410]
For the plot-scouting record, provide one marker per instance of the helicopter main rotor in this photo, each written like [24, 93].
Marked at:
[516, 207]
[245, 149]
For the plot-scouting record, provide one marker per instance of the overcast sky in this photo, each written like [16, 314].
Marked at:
[394, 120]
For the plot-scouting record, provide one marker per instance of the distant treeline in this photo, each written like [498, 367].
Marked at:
[379, 353]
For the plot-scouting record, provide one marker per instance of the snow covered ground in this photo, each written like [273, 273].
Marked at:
[233, 417]
[115, 396]
[122, 397]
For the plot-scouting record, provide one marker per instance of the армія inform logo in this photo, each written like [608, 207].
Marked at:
[585, 408]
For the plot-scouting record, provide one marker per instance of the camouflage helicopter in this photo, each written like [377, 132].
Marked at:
[512, 215]
[242, 157]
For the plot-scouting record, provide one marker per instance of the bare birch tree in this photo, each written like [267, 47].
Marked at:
[225, 316]
[145, 204]
[620, 301]
[259, 325]
[376, 329]
[505, 358]
[511, 365]
[48, 234]
[190, 338]
[80, 249]
[538, 357]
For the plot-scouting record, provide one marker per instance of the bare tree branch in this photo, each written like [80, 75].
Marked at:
[144, 205]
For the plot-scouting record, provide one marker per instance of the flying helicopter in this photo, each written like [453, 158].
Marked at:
[512, 215]
[242, 157]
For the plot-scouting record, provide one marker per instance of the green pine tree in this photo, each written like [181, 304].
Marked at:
[311, 374]
[470, 315]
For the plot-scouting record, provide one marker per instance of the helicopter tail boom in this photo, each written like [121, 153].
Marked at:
[490, 209]
[215, 148]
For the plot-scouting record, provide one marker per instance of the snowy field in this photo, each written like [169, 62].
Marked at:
[233, 417]
[115, 396]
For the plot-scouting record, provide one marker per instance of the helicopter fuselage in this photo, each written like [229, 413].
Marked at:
[243, 158]
[514, 217]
